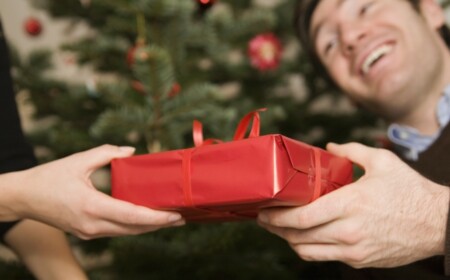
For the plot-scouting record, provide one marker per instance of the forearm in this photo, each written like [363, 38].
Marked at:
[44, 250]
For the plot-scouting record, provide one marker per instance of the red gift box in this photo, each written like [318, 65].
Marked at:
[232, 180]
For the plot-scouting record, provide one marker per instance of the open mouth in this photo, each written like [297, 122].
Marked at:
[375, 56]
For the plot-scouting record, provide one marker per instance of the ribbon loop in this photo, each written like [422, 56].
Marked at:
[244, 123]
[197, 129]
[197, 133]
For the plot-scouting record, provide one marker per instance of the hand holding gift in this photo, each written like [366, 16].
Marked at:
[60, 193]
[390, 217]
[232, 180]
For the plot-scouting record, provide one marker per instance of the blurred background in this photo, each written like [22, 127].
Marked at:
[137, 72]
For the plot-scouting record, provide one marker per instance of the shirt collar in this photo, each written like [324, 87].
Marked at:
[410, 141]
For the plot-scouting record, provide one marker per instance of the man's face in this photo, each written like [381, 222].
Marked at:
[380, 52]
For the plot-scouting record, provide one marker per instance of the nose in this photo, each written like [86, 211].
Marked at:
[351, 33]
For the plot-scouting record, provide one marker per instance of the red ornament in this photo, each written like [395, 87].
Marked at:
[264, 51]
[175, 90]
[130, 55]
[138, 86]
[206, 2]
[33, 26]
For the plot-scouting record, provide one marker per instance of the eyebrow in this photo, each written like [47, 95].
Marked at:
[316, 30]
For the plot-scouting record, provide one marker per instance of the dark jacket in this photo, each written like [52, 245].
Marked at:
[15, 153]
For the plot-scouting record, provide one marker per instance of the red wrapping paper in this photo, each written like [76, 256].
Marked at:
[232, 180]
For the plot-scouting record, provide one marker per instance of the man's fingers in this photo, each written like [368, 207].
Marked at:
[316, 235]
[308, 245]
[337, 232]
[323, 210]
[321, 252]
[355, 152]
[299, 217]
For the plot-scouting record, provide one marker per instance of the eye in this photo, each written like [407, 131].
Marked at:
[329, 46]
[365, 8]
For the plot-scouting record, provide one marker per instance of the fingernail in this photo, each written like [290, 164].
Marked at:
[174, 217]
[127, 149]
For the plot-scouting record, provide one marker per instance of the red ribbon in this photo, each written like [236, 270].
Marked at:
[245, 121]
[197, 133]
[318, 174]
[239, 134]
[187, 186]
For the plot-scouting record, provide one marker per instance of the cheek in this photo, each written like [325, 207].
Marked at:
[339, 72]
[351, 85]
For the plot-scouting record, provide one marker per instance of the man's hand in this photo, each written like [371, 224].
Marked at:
[390, 217]
[60, 193]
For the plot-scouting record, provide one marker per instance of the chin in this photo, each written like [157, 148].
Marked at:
[387, 89]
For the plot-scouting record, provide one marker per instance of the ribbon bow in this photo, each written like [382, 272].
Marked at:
[197, 129]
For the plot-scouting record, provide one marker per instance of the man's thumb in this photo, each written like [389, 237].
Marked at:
[355, 152]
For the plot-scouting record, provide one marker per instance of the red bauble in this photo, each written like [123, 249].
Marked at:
[33, 26]
[264, 51]
[206, 2]
[130, 55]
[205, 5]
[138, 86]
[175, 90]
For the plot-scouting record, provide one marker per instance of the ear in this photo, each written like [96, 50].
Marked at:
[433, 13]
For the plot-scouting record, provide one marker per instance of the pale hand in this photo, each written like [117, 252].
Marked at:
[60, 193]
[390, 217]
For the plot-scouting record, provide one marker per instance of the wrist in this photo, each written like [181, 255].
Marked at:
[441, 202]
[11, 196]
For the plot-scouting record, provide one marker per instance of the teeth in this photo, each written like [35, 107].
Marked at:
[374, 56]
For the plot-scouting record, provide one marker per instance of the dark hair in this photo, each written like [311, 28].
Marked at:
[302, 22]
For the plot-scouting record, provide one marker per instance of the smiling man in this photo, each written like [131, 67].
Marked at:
[391, 57]
[385, 55]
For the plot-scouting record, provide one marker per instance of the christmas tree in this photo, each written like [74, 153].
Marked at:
[157, 66]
